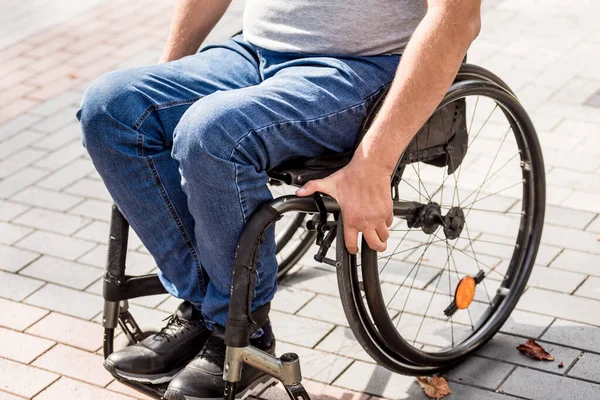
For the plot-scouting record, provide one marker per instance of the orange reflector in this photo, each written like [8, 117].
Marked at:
[465, 292]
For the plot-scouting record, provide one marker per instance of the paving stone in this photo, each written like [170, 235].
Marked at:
[577, 91]
[78, 391]
[573, 126]
[17, 124]
[13, 259]
[315, 390]
[325, 308]
[75, 363]
[314, 280]
[150, 301]
[341, 341]
[55, 245]
[481, 372]
[16, 287]
[97, 232]
[9, 210]
[62, 272]
[19, 316]
[170, 304]
[583, 200]
[577, 261]
[70, 331]
[10, 233]
[66, 175]
[290, 300]
[560, 305]
[21, 347]
[590, 288]
[299, 330]
[46, 199]
[574, 334]
[373, 379]
[564, 159]
[22, 379]
[136, 262]
[57, 103]
[62, 156]
[99, 210]
[67, 301]
[19, 160]
[503, 348]
[594, 226]
[316, 365]
[61, 138]
[568, 217]
[90, 188]
[571, 239]
[537, 385]
[51, 221]
[526, 324]
[148, 319]
[6, 396]
[588, 367]
[20, 180]
[555, 279]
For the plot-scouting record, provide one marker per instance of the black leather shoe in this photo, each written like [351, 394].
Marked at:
[158, 358]
[202, 378]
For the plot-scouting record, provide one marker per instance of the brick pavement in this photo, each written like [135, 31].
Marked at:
[54, 212]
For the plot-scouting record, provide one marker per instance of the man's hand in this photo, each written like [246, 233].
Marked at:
[362, 189]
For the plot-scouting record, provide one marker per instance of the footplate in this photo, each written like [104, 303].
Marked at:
[286, 369]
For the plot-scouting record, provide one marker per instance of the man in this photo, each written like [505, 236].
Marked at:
[183, 146]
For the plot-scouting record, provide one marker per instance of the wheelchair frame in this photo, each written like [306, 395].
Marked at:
[241, 322]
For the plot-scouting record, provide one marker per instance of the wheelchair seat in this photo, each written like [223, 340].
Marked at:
[299, 171]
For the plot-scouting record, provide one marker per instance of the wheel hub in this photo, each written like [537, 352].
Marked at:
[454, 222]
[429, 217]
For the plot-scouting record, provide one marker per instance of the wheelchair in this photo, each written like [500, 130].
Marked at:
[468, 201]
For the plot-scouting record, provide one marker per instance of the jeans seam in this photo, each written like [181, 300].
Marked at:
[241, 200]
[177, 220]
[349, 108]
[161, 106]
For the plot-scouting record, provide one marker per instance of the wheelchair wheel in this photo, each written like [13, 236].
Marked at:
[292, 238]
[452, 275]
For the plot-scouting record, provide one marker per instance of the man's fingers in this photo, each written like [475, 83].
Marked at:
[351, 239]
[382, 232]
[309, 188]
[389, 220]
[373, 240]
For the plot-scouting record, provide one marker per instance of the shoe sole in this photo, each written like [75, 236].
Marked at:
[155, 379]
[258, 386]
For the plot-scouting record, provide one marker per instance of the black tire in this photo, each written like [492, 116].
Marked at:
[363, 298]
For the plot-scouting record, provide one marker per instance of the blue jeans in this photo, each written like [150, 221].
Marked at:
[184, 147]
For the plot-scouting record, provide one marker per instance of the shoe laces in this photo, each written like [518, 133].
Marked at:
[214, 350]
[174, 326]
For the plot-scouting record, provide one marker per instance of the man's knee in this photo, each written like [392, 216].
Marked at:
[106, 103]
[219, 127]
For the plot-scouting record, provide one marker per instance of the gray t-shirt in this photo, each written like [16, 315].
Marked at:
[333, 27]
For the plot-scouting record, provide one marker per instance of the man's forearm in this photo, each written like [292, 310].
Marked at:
[427, 68]
[192, 22]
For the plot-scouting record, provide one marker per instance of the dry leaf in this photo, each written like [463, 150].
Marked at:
[535, 351]
[435, 387]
